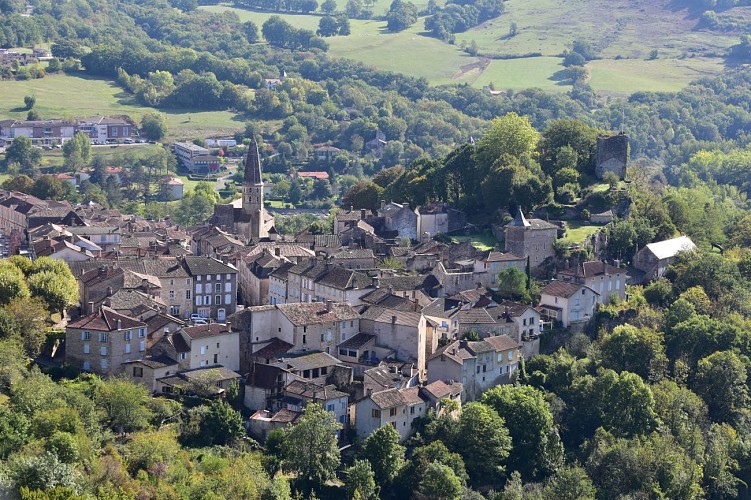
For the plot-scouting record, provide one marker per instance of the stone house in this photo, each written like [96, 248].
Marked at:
[265, 384]
[655, 258]
[522, 323]
[212, 344]
[215, 287]
[569, 303]
[608, 281]
[398, 217]
[344, 219]
[341, 285]
[361, 258]
[102, 341]
[315, 326]
[533, 238]
[404, 332]
[209, 381]
[479, 365]
[279, 284]
[147, 371]
[437, 218]
[299, 393]
[494, 262]
[314, 367]
[396, 407]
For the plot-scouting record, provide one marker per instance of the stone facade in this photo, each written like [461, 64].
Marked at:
[533, 238]
[612, 155]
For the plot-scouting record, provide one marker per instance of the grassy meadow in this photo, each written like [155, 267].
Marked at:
[624, 32]
[65, 96]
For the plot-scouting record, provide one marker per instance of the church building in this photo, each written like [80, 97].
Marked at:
[246, 217]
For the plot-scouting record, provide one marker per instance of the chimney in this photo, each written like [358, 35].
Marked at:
[405, 204]
[393, 320]
[145, 285]
[277, 251]
[229, 325]
[362, 213]
[119, 324]
[329, 305]
[376, 282]
[91, 306]
[103, 271]
[383, 204]
[166, 332]
[109, 291]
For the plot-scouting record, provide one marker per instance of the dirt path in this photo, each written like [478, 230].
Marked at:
[477, 67]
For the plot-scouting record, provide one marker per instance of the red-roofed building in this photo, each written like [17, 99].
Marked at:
[311, 175]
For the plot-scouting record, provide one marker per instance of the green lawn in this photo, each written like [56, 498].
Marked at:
[63, 96]
[578, 231]
[481, 241]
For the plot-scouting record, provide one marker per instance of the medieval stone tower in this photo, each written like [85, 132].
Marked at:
[252, 207]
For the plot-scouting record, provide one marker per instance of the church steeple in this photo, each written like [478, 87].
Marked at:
[253, 194]
[252, 166]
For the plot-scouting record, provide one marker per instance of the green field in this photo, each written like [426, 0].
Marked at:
[481, 241]
[62, 96]
[627, 76]
[578, 231]
[623, 31]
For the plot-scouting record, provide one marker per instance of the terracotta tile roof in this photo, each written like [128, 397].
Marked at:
[309, 390]
[360, 253]
[154, 362]
[440, 389]
[502, 343]
[203, 331]
[314, 313]
[273, 349]
[562, 289]
[310, 361]
[383, 315]
[594, 268]
[357, 341]
[286, 416]
[105, 320]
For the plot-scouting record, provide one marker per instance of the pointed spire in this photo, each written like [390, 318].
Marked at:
[519, 220]
[253, 165]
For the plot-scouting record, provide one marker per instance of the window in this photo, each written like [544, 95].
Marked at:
[128, 335]
[216, 358]
[208, 277]
[304, 339]
[198, 278]
[104, 337]
[228, 276]
[228, 287]
[411, 410]
[127, 348]
[103, 364]
[199, 288]
[86, 365]
[375, 413]
[207, 300]
[203, 362]
[531, 321]
[171, 294]
[187, 294]
[583, 291]
[218, 277]
[344, 336]
[218, 300]
[392, 412]
[203, 350]
[330, 407]
[103, 350]
[171, 282]
[138, 371]
[85, 335]
[510, 355]
[478, 369]
[217, 288]
[344, 324]
[174, 310]
[524, 322]
[142, 346]
[187, 281]
[86, 348]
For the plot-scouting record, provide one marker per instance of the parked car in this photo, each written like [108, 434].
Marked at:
[128, 141]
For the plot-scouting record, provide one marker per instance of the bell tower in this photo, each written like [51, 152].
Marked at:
[252, 205]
